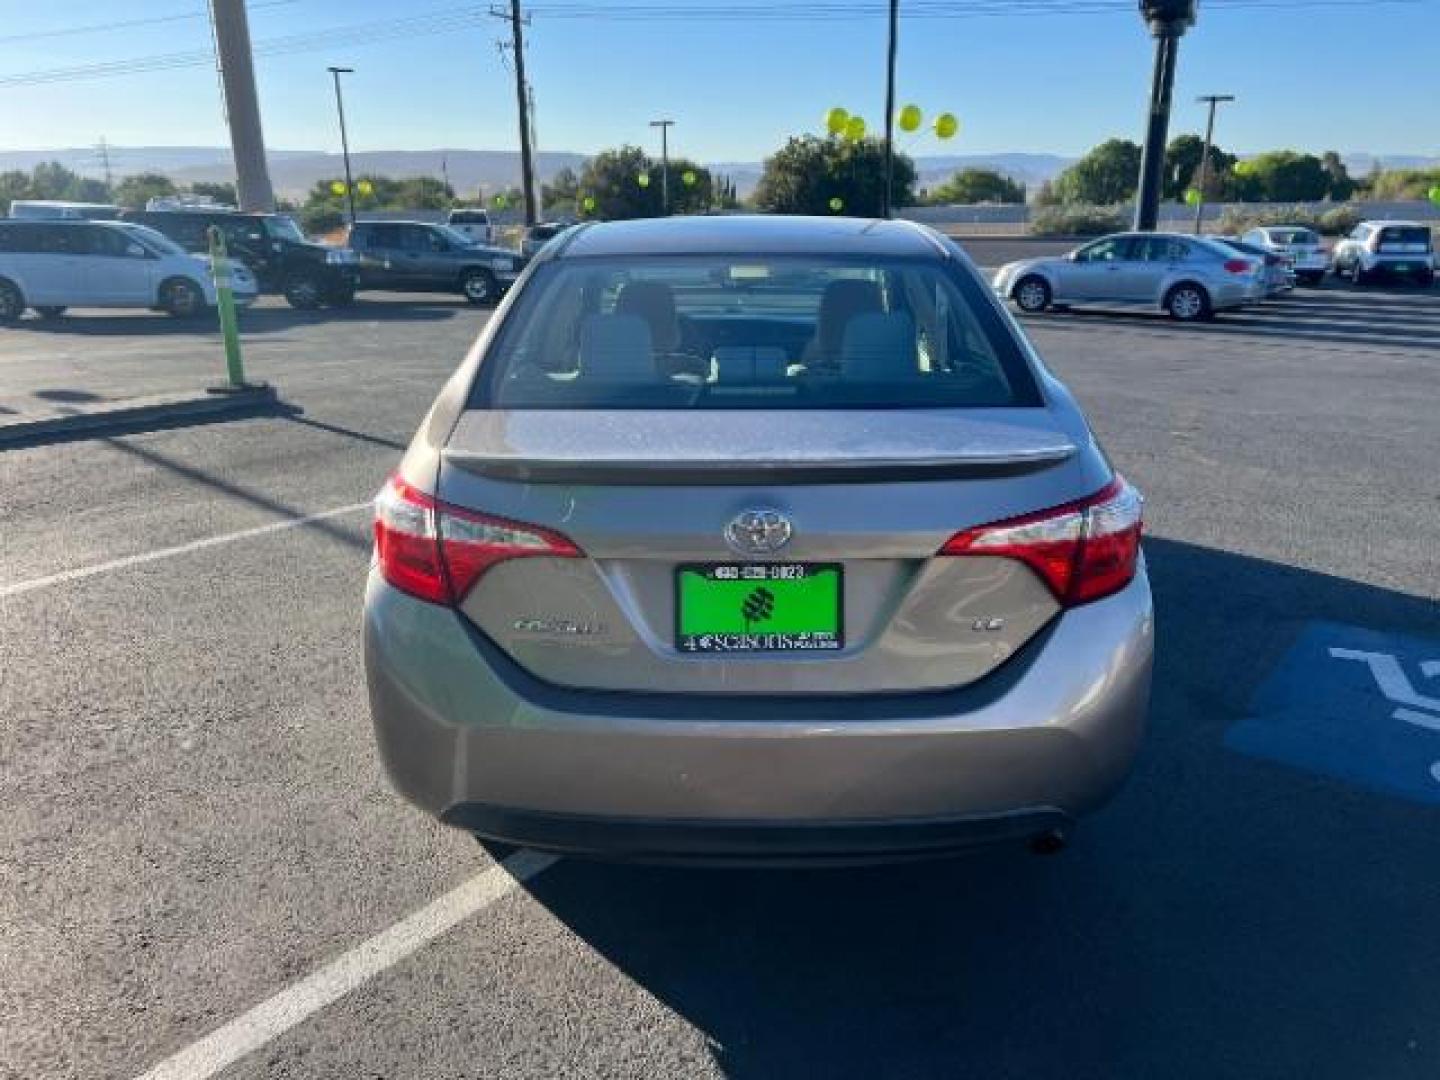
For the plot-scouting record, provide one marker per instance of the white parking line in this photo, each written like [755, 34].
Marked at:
[166, 553]
[293, 1005]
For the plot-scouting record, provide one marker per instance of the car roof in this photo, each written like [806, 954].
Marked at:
[397, 221]
[752, 234]
[1396, 223]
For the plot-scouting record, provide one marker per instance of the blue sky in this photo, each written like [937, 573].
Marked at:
[738, 87]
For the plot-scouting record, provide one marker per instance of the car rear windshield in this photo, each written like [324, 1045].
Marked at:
[1408, 237]
[753, 333]
[1294, 237]
[469, 217]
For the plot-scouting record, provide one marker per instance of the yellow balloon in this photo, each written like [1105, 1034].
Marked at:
[855, 128]
[835, 120]
[643, 179]
[911, 118]
[688, 178]
[589, 204]
[365, 187]
[338, 187]
[501, 202]
[946, 126]
[837, 204]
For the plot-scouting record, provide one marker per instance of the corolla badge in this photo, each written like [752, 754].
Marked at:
[758, 532]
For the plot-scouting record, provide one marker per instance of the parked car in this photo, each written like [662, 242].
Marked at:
[537, 236]
[1387, 249]
[53, 209]
[473, 223]
[1189, 277]
[1302, 245]
[646, 584]
[417, 256]
[270, 245]
[54, 265]
[1279, 272]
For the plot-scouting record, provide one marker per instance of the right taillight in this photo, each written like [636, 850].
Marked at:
[1083, 550]
[437, 552]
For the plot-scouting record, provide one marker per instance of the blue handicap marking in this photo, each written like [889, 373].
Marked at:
[1347, 702]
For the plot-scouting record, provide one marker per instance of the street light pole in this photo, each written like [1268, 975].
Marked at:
[885, 202]
[664, 126]
[336, 72]
[1168, 20]
[1213, 100]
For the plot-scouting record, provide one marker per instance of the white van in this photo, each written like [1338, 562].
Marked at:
[473, 223]
[54, 265]
[59, 210]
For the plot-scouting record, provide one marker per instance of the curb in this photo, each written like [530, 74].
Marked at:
[131, 413]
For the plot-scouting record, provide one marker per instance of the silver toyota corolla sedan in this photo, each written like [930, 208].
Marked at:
[1189, 277]
[749, 539]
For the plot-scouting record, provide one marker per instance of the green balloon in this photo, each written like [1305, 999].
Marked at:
[643, 179]
[1243, 168]
[911, 118]
[855, 128]
[946, 126]
[588, 203]
[688, 178]
[837, 204]
[1435, 194]
[835, 120]
[1192, 197]
[501, 202]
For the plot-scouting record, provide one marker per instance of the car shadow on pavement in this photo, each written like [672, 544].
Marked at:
[1383, 317]
[1223, 917]
[256, 320]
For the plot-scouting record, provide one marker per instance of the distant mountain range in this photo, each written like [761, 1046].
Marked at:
[294, 172]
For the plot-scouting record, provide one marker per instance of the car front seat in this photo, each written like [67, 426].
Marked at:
[840, 303]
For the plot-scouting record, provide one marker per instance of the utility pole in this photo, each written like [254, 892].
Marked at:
[1168, 20]
[890, 109]
[336, 72]
[527, 165]
[664, 126]
[242, 104]
[1213, 100]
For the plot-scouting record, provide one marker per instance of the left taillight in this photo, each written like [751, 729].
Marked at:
[1083, 551]
[437, 552]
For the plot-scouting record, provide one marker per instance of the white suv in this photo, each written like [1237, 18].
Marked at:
[54, 265]
[1300, 245]
[1378, 249]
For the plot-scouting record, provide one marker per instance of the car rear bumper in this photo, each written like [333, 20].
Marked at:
[471, 738]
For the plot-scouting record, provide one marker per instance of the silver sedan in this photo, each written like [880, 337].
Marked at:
[757, 539]
[1188, 277]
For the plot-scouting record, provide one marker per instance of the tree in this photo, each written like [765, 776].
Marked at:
[1182, 168]
[135, 191]
[1342, 185]
[969, 186]
[51, 180]
[627, 183]
[1285, 176]
[1107, 175]
[562, 191]
[805, 174]
[222, 192]
[14, 184]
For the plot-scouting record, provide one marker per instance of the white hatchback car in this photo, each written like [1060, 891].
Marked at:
[1301, 245]
[1387, 249]
[54, 265]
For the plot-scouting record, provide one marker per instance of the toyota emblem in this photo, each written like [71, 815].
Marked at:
[758, 532]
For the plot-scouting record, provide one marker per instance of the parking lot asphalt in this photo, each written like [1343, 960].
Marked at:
[192, 818]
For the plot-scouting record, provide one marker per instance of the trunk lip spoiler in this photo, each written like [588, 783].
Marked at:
[716, 471]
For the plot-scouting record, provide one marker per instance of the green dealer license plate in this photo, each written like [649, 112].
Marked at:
[759, 607]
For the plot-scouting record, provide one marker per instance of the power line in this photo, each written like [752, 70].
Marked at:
[468, 16]
[126, 24]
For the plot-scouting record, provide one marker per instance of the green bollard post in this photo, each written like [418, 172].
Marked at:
[225, 302]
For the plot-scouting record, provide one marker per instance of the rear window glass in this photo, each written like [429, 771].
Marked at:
[1409, 237]
[761, 333]
[469, 217]
[1295, 237]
